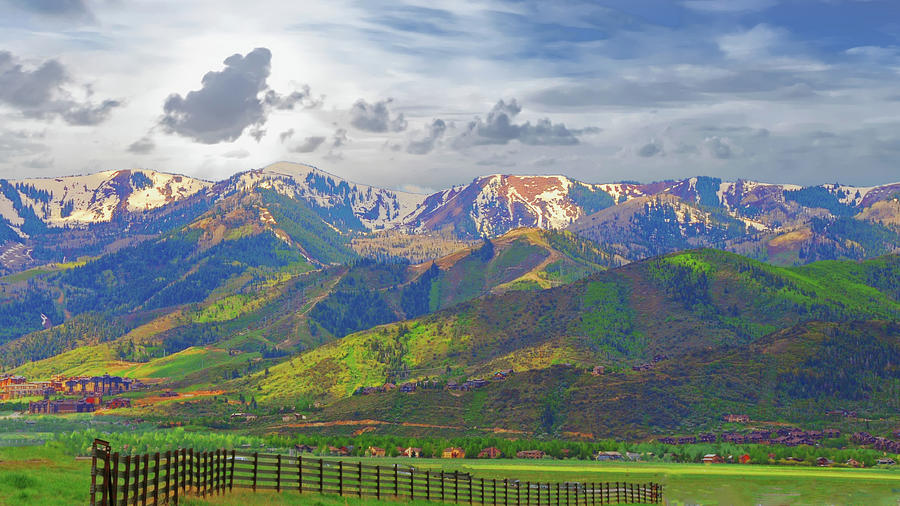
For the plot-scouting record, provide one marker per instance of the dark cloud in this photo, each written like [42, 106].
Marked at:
[142, 146]
[650, 149]
[302, 98]
[227, 103]
[40, 93]
[340, 138]
[231, 101]
[426, 144]
[308, 145]
[499, 128]
[719, 147]
[68, 9]
[287, 134]
[376, 117]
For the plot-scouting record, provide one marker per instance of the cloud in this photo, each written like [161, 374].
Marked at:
[650, 149]
[41, 93]
[40, 162]
[753, 43]
[425, 145]
[232, 100]
[499, 128]
[226, 104]
[286, 135]
[142, 146]
[68, 9]
[302, 99]
[308, 145]
[16, 143]
[719, 147]
[237, 153]
[340, 138]
[376, 117]
[726, 6]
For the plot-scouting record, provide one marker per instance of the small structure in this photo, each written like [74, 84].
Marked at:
[410, 452]
[119, 402]
[634, 457]
[490, 453]
[824, 462]
[886, 461]
[502, 375]
[304, 448]
[374, 451]
[855, 463]
[604, 456]
[712, 458]
[247, 417]
[387, 387]
[530, 454]
[339, 451]
[408, 388]
[598, 370]
[744, 459]
[737, 418]
[453, 453]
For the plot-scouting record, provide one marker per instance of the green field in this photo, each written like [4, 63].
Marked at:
[47, 475]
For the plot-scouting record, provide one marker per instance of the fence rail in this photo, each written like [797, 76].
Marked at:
[165, 477]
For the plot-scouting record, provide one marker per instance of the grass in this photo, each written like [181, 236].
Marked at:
[42, 475]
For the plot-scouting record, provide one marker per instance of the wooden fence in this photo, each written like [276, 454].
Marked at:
[164, 477]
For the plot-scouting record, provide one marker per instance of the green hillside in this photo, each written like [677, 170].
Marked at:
[696, 302]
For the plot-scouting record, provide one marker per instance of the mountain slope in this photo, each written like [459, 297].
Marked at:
[674, 305]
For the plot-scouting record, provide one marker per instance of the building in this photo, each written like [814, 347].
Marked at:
[490, 453]
[886, 461]
[824, 462]
[374, 451]
[408, 388]
[119, 402]
[337, 451]
[453, 453]
[530, 454]
[855, 463]
[598, 370]
[712, 458]
[604, 456]
[304, 448]
[62, 406]
[737, 418]
[410, 452]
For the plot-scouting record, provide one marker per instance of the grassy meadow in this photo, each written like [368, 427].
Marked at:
[48, 475]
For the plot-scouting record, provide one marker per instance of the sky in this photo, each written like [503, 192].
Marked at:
[420, 96]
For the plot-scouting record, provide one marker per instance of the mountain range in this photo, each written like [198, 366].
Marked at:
[298, 288]
[52, 220]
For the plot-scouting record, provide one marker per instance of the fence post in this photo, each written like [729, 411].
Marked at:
[299, 473]
[255, 468]
[378, 482]
[396, 482]
[456, 487]
[127, 473]
[144, 479]
[359, 475]
[505, 491]
[176, 483]
[482, 492]
[471, 499]
[114, 489]
[494, 487]
[428, 486]
[321, 476]
[136, 490]
[168, 474]
[231, 473]
[412, 490]
[341, 478]
[278, 473]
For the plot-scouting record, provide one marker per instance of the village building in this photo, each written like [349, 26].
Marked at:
[490, 453]
[886, 461]
[374, 451]
[453, 453]
[304, 448]
[530, 454]
[824, 462]
[855, 463]
[744, 459]
[410, 452]
[63, 406]
[606, 456]
[598, 370]
[339, 451]
[712, 458]
[119, 402]
[736, 418]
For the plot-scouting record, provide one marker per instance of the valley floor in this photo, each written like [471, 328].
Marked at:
[45, 475]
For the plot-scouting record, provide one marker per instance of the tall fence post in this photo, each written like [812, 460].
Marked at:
[378, 482]
[321, 476]
[278, 473]
[396, 482]
[127, 473]
[231, 473]
[255, 468]
[299, 473]
[359, 482]
[341, 478]
[114, 486]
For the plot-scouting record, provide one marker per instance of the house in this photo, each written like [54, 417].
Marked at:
[374, 451]
[687, 440]
[490, 453]
[119, 402]
[387, 387]
[737, 418]
[634, 457]
[712, 458]
[598, 370]
[824, 462]
[831, 433]
[408, 388]
[293, 417]
[530, 454]
[707, 437]
[886, 461]
[304, 448]
[602, 456]
[855, 463]
[248, 417]
[453, 453]
[744, 459]
[502, 375]
[342, 451]
[410, 452]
